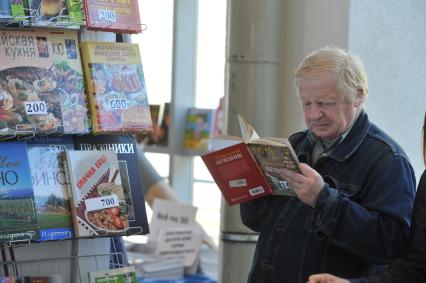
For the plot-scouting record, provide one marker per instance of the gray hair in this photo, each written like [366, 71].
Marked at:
[351, 75]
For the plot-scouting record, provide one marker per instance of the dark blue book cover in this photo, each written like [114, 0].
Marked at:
[125, 147]
[18, 219]
[49, 185]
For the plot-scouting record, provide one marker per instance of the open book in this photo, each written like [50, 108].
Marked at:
[249, 167]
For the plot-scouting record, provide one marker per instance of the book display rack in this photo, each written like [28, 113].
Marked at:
[45, 110]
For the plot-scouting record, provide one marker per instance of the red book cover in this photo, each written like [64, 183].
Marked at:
[115, 16]
[237, 174]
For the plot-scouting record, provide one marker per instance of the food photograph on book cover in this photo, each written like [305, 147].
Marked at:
[41, 83]
[98, 199]
[62, 13]
[125, 147]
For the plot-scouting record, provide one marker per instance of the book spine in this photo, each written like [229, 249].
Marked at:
[67, 171]
[75, 11]
[86, 59]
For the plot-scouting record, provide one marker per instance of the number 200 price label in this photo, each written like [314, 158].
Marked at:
[107, 15]
[35, 107]
[101, 202]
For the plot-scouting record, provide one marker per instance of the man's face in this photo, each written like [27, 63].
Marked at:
[328, 114]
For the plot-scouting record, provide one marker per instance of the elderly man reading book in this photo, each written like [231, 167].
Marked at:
[355, 191]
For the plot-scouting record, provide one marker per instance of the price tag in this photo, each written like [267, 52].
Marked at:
[101, 202]
[56, 148]
[117, 104]
[35, 107]
[107, 15]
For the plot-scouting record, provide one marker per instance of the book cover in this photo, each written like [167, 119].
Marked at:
[18, 219]
[55, 13]
[199, 126]
[249, 167]
[160, 122]
[272, 158]
[56, 278]
[165, 118]
[236, 173]
[116, 87]
[5, 10]
[18, 10]
[41, 83]
[13, 279]
[75, 12]
[96, 194]
[117, 275]
[38, 279]
[115, 16]
[49, 185]
[126, 149]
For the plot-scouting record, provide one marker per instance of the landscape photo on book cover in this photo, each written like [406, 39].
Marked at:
[18, 219]
[98, 200]
[50, 188]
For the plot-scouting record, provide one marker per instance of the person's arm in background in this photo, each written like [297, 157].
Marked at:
[156, 187]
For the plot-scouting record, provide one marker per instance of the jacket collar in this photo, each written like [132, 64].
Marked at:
[349, 144]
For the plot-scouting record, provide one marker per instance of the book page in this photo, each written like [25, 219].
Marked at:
[247, 130]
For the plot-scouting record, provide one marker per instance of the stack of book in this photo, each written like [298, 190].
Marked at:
[151, 266]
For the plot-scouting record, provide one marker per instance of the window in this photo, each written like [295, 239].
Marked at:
[156, 45]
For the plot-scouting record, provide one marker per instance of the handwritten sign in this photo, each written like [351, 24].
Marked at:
[170, 214]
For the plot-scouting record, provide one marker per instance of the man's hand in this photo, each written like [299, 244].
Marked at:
[307, 185]
[326, 278]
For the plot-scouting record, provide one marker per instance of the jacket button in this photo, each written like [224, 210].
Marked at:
[320, 234]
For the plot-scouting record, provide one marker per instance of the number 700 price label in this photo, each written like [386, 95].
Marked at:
[102, 202]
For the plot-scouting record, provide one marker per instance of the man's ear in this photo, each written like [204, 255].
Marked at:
[359, 97]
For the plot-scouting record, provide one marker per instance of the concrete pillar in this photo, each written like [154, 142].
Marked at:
[251, 90]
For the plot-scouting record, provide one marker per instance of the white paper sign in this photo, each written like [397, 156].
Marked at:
[169, 214]
[182, 243]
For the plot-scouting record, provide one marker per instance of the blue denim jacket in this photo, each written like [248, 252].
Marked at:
[361, 218]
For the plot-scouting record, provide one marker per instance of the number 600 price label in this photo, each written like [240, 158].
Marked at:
[101, 202]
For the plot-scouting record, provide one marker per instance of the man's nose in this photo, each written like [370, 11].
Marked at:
[315, 112]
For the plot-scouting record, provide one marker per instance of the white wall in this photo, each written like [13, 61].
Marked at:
[305, 25]
[390, 37]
